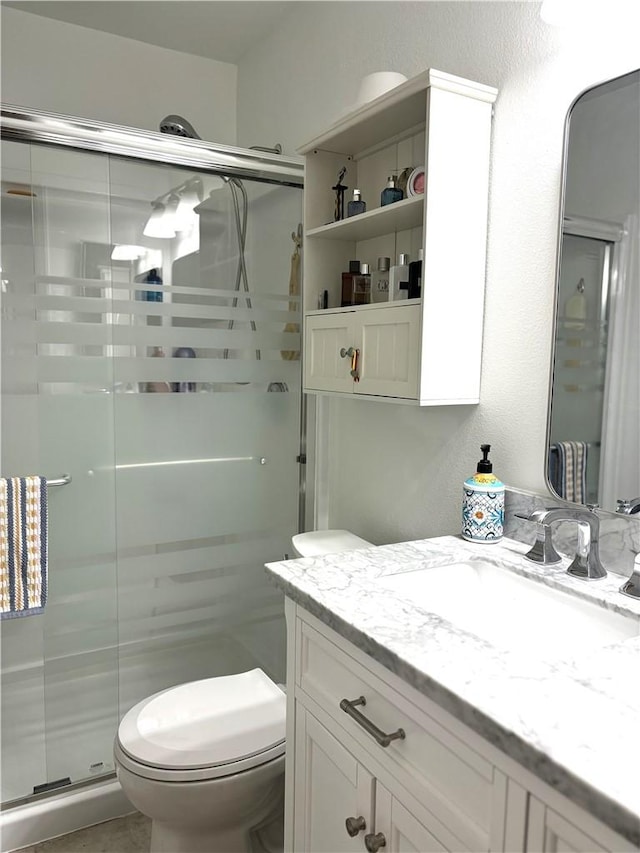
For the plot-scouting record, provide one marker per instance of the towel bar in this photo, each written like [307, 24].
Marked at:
[59, 481]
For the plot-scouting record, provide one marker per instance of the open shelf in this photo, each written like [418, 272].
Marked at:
[398, 216]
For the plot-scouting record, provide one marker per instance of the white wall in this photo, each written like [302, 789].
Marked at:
[396, 472]
[50, 65]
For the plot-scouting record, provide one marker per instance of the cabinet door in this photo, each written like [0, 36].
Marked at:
[326, 335]
[549, 832]
[331, 786]
[389, 356]
[403, 833]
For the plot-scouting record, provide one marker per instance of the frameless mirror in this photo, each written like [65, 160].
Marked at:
[593, 438]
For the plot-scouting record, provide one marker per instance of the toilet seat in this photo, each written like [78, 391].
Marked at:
[204, 729]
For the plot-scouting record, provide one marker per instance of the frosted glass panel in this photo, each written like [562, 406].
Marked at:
[207, 429]
[163, 375]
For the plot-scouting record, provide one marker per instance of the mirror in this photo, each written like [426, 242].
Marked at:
[593, 437]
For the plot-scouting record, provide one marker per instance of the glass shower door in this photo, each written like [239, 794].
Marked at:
[161, 372]
[59, 670]
[207, 425]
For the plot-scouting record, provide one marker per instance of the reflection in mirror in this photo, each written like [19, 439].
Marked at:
[594, 421]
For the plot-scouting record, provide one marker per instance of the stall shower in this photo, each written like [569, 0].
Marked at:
[148, 316]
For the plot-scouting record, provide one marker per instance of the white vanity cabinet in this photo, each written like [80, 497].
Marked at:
[425, 351]
[440, 787]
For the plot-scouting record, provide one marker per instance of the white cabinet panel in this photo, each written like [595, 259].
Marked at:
[549, 832]
[402, 831]
[333, 787]
[325, 337]
[389, 340]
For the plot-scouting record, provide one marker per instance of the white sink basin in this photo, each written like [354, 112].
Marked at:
[512, 611]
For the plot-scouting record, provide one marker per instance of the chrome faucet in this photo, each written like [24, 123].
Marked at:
[628, 507]
[542, 550]
[632, 586]
[586, 563]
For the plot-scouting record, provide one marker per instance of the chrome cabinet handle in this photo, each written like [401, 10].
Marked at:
[347, 353]
[384, 739]
[373, 843]
[355, 825]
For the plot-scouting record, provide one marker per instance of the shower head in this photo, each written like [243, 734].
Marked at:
[178, 126]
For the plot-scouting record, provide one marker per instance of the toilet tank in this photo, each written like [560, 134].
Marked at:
[315, 543]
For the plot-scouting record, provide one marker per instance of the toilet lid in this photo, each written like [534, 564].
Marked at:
[207, 723]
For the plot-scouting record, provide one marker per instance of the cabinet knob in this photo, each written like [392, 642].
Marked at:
[347, 353]
[355, 825]
[373, 843]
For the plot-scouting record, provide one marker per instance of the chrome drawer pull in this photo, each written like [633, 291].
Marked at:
[355, 825]
[348, 706]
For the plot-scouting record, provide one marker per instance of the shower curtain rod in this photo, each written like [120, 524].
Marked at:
[26, 125]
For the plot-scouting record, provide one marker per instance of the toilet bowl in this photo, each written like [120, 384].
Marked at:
[315, 543]
[205, 761]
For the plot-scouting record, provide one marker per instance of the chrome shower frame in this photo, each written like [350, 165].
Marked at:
[26, 125]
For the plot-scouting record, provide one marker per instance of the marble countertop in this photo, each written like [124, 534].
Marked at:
[571, 719]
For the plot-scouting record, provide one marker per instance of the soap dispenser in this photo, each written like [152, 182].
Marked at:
[483, 503]
[356, 205]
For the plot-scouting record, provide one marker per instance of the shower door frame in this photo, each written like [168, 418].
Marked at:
[19, 124]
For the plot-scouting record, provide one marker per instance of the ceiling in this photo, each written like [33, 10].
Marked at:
[225, 31]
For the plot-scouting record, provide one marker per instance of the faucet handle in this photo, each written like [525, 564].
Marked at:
[543, 550]
[631, 587]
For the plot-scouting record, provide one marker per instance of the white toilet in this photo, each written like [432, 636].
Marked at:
[205, 760]
[318, 542]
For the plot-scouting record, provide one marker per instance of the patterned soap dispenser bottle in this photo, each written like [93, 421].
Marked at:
[483, 503]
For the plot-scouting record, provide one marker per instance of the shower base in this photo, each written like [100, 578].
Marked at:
[59, 814]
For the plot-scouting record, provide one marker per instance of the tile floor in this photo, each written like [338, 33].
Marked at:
[131, 834]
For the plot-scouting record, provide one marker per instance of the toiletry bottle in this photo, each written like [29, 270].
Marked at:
[483, 503]
[184, 352]
[154, 295]
[361, 294]
[391, 192]
[347, 283]
[415, 277]
[399, 278]
[157, 386]
[380, 281]
[356, 205]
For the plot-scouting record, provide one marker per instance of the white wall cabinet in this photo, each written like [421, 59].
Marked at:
[443, 123]
[368, 351]
[440, 787]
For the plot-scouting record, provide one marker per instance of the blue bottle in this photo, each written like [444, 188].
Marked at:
[153, 295]
[483, 503]
[356, 205]
[391, 192]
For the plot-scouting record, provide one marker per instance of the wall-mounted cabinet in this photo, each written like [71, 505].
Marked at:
[425, 351]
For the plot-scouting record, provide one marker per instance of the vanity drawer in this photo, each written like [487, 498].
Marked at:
[448, 778]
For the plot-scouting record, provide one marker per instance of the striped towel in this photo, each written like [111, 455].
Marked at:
[568, 469]
[23, 546]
